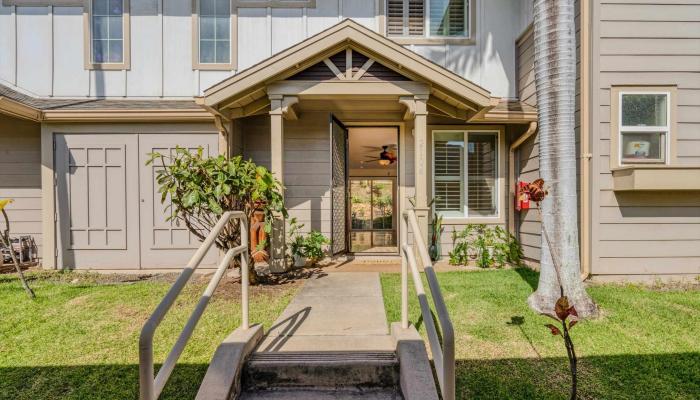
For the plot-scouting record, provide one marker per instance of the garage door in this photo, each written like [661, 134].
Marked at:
[109, 214]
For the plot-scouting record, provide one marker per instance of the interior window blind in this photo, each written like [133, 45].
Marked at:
[482, 174]
[448, 161]
[405, 17]
[448, 17]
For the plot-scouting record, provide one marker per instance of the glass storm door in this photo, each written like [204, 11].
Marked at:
[372, 222]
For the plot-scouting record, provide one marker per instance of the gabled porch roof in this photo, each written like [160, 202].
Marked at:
[248, 92]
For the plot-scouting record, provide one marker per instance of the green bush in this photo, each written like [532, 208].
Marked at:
[488, 246]
[198, 190]
[308, 245]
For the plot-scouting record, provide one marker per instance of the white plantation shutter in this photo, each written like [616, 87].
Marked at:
[448, 17]
[448, 161]
[405, 17]
[482, 174]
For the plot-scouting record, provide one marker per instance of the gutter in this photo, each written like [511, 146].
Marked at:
[585, 137]
[511, 172]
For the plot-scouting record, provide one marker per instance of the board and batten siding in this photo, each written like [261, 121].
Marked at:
[528, 226]
[41, 48]
[646, 43]
[20, 175]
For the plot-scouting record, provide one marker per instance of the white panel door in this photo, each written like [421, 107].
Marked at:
[97, 201]
[165, 244]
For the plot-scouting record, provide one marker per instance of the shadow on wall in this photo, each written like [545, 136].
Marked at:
[680, 204]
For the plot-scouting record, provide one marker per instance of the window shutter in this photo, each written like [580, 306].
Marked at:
[416, 12]
[448, 175]
[394, 16]
[482, 174]
[405, 17]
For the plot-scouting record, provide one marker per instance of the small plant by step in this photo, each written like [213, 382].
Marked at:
[305, 247]
[485, 245]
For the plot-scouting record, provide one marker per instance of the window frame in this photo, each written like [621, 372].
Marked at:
[233, 40]
[89, 62]
[427, 38]
[617, 129]
[465, 218]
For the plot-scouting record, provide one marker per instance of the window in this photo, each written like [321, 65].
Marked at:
[465, 178]
[428, 18]
[108, 27]
[214, 31]
[644, 123]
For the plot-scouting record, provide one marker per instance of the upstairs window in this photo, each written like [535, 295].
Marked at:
[644, 127]
[215, 32]
[107, 27]
[428, 18]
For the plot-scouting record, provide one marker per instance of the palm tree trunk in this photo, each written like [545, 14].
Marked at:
[555, 80]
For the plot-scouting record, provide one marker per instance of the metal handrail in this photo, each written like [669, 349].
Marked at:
[443, 354]
[149, 387]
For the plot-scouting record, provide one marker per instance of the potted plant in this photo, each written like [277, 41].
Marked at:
[305, 247]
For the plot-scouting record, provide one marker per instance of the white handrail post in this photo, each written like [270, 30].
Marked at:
[245, 322]
[404, 273]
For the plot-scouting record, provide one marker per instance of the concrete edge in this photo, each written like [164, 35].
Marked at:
[416, 374]
[223, 378]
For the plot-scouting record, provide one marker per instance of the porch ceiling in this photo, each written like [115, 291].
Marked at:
[247, 93]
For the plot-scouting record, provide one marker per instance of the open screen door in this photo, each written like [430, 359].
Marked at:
[339, 145]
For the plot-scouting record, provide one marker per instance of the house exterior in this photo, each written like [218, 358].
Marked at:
[362, 108]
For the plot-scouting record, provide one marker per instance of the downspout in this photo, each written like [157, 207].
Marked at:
[511, 172]
[585, 145]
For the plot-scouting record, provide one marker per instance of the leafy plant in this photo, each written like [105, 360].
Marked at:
[198, 189]
[488, 246]
[308, 245]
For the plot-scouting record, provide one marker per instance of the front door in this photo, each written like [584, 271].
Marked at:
[339, 176]
[372, 210]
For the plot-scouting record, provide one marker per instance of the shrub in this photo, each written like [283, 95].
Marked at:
[199, 189]
[487, 246]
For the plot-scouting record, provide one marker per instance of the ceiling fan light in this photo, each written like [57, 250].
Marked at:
[384, 163]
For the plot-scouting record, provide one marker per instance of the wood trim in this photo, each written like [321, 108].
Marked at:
[43, 3]
[16, 109]
[658, 177]
[671, 138]
[196, 65]
[341, 35]
[273, 3]
[127, 115]
[87, 40]
[348, 88]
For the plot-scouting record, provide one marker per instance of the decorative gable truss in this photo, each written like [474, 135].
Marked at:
[349, 65]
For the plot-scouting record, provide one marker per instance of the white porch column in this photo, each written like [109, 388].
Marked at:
[277, 238]
[417, 109]
[420, 138]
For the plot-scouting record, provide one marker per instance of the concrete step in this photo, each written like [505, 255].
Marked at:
[321, 370]
[320, 394]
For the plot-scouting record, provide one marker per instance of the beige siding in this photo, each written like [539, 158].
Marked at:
[20, 179]
[525, 51]
[647, 43]
[306, 166]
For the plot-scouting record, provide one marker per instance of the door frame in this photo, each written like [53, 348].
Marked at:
[400, 190]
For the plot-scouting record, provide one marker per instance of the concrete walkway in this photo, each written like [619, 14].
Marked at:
[341, 311]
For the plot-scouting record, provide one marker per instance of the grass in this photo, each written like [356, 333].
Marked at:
[646, 345]
[79, 338]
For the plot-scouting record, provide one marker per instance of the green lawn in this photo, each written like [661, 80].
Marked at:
[79, 338]
[645, 346]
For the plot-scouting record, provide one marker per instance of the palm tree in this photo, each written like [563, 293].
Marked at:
[555, 80]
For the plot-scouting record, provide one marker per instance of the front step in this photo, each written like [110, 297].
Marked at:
[320, 394]
[324, 371]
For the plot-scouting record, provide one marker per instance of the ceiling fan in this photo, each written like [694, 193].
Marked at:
[386, 157]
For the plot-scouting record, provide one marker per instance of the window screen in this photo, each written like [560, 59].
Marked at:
[448, 17]
[448, 161]
[482, 174]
